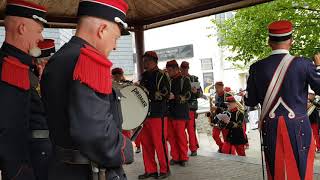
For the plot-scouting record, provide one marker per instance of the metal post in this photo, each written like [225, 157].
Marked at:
[139, 41]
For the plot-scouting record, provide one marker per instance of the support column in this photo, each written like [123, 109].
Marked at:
[139, 41]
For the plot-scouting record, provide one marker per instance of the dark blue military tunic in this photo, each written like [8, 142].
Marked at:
[40, 145]
[286, 128]
[81, 121]
[155, 82]
[15, 160]
[180, 87]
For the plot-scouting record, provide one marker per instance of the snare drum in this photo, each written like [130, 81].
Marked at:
[134, 106]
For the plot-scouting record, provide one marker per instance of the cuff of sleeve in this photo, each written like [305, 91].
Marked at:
[127, 151]
[318, 67]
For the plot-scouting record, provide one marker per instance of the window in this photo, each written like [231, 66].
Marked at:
[208, 80]
[206, 64]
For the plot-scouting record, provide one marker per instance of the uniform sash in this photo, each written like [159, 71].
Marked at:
[275, 85]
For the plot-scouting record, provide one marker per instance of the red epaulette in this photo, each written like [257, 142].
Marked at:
[93, 69]
[15, 73]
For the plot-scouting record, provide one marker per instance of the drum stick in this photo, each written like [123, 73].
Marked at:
[136, 133]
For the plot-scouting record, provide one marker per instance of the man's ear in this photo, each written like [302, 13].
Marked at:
[102, 30]
[291, 41]
[21, 28]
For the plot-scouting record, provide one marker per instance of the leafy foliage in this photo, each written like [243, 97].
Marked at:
[246, 33]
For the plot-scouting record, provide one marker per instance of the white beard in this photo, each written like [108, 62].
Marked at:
[35, 52]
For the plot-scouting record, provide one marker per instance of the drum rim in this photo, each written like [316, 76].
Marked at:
[147, 94]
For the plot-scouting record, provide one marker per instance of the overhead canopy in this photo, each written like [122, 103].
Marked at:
[146, 13]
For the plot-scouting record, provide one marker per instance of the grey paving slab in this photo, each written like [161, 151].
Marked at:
[217, 167]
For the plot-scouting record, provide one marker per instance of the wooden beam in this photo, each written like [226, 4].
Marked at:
[139, 40]
[203, 10]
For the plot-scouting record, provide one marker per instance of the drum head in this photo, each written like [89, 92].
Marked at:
[134, 106]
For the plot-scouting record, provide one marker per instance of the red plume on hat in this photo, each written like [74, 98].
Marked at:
[172, 64]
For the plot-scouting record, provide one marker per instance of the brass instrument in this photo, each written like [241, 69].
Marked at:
[213, 112]
[314, 104]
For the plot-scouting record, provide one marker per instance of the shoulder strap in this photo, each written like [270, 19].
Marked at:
[93, 69]
[275, 84]
[15, 73]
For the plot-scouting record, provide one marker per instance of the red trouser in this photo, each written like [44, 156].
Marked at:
[216, 136]
[228, 148]
[138, 141]
[177, 138]
[126, 133]
[191, 129]
[315, 131]
[154, 139]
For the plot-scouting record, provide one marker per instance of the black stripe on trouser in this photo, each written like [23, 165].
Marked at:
[164, 144]
[195, 126]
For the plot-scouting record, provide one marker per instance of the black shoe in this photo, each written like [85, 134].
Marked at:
[183, 163]
[148, 175]
[194, 153]
[219, 151]
[173, 162]
[138, 150]
[163, 175]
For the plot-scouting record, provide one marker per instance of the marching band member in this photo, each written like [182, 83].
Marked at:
[118, 77]
[280, 84]
[314, 119]
[84, 113]
[235, 138]
[40, 144]
[220, 106]
[23, 31]
[154, 132]
[178, 114]
[193, 105]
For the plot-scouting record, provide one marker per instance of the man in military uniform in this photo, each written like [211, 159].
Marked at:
[154, 132]
[84, 115]
[117, 75]
[196, 92]
[280, 84]
[23, 26]
[219, 107]
[40, 145]
[178, 114]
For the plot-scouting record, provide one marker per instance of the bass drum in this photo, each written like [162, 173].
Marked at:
[134, 106]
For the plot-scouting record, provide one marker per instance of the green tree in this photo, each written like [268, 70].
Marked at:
[246, 33]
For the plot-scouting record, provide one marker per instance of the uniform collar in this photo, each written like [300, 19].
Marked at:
[280, 51]
[17, 53]
[79, 40]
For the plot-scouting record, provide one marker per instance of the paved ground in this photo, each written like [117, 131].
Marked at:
[211, 165]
